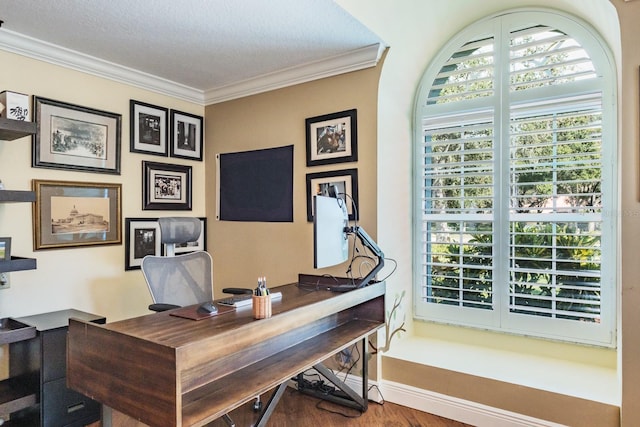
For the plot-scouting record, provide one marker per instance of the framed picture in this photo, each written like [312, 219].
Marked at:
[72, 137]
[347, 182]
[332, 138]
[149, 130]
[199, 245]
[142, 238]
[5, 248]
[186, 135]
[166, 186]
[69, 214]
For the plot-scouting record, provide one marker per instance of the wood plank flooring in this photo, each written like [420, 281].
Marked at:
[299, 410]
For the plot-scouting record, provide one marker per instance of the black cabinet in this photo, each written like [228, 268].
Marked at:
[41, 363]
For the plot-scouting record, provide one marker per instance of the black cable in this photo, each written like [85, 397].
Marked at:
[381, 403]
[395, 267]
[320, 401]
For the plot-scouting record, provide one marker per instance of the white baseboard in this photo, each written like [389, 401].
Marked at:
[457, 409]
[445, 406]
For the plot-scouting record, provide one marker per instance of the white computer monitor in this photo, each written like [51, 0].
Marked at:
[330, 238]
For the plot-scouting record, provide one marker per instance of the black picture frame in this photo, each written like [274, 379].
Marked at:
[347, 182]
[148, 128]
[187, 132]
[73, 137]
[142, 238]
[332, 138]
[166, 186]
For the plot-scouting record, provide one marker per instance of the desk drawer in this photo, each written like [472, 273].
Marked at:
[65, 407]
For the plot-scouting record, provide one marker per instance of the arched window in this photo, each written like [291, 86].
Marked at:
[515, 180]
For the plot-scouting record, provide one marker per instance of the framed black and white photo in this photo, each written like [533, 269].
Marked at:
[71, 214]
[198, 245]
[149, 129]
[186, 135]
[73, 137]
[5, 248]
[166, 186]
[332, 138]
[142, 238]
[345, 180]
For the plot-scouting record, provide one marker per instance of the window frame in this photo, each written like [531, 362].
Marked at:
[500, 319]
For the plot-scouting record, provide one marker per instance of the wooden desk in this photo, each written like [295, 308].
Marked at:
[165, 370]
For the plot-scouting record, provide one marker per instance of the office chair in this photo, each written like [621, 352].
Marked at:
[179, 280]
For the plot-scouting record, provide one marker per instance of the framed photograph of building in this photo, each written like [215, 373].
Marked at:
[142, 238]
[70, 214]
[186, 135]
[72, 137]
[345, 180]
[149, 128]
[332, 138]
[166, 186]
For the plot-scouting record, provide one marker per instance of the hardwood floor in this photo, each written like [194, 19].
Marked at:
[299, 410]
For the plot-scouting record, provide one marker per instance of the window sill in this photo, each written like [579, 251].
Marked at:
[561, 375]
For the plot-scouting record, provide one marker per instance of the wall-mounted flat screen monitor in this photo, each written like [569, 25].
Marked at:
[330, 238]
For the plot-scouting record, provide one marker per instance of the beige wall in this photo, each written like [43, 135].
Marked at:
[242, 251]
[90, 279]
[629, 14]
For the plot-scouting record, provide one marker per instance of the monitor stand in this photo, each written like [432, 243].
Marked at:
[342, 288]
[328, 283]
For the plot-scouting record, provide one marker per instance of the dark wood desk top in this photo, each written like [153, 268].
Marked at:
[168, 370]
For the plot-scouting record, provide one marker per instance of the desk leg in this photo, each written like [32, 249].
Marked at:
[353, 399]
[271, 405]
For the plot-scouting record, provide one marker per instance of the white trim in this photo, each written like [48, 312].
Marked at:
[355, 60]
[57, 55]
[453, 408]
[456, 409]
[37, 49]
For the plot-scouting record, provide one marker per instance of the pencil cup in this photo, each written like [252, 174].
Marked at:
[261, 306]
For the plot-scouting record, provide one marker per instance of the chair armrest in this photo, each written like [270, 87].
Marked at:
[162, 307]
[237, 291]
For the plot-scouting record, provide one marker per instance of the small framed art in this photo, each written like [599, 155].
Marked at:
[149, 128]
[332, 138]
[73, 137]
[5, 248]
[166, 186]
[186, 135]
[71, 214]
[142, 238]
[347, 182]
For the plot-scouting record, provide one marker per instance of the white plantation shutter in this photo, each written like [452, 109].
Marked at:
[514, 176]
[555, 219]
[458, 200]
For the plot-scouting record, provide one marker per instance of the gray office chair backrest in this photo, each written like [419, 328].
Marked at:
[178, 280]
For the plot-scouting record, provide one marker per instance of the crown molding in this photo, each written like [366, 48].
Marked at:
[37, 49]
[354, 60]
[54, 54]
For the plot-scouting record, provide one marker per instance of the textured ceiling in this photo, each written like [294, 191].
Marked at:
[201, 44]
